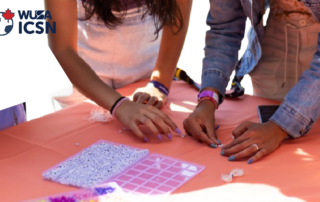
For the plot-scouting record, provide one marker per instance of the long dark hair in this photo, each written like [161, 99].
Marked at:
[164, 12]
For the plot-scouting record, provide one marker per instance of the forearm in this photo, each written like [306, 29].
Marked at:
[63, 45]
[171, 47]
[85, 79]
[301, 107]
[223, 41]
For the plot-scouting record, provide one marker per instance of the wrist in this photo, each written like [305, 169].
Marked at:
[209, 95]
[211, 89]
[158, 85]
[117, 104]
[163, 78]
[279, 131]
[121, 109]
[207, 105]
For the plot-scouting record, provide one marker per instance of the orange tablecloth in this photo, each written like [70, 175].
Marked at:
[291, 173]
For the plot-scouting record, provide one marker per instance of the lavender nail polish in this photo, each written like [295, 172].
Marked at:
[159, 136]
[178, 131]
[169, 136]
[145, 139]
[250, 161]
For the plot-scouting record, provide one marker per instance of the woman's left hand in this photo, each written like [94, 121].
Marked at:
[253, 141]
[151, 96]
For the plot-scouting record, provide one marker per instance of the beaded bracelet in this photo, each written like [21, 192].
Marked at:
[160, 87]
[208, 98]
[117, 104]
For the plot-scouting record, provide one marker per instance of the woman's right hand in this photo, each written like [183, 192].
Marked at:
[201, 124]
[133, 114]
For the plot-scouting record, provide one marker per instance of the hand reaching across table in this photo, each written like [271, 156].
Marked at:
[201, 124]
[133, 114]
[253, 141]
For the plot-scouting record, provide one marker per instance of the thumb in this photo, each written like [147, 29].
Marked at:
[241, 129]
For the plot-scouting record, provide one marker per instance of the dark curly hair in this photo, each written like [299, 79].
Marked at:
[164, 12]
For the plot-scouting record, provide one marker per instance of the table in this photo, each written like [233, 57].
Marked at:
[291, 173]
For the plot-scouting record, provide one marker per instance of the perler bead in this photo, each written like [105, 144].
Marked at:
[103, 191]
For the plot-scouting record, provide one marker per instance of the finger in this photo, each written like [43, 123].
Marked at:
[196, 131]
[166, 119]
[210, 129]
[136, 130]
[152, 100]
[247, 152]
[235, 148]
[239, 140]
[186, 126]
[136, 96]
[148, 123]
[143, 98]
[159, 104]
[261, 153]
[241, 129]
[160, 124]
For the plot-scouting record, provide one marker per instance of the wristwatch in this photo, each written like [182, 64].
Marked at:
[208, 95]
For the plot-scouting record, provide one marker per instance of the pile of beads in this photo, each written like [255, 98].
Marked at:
[95, 164]
[104, 192]
[99, 114]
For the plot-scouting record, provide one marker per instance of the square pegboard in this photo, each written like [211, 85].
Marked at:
[157, 174]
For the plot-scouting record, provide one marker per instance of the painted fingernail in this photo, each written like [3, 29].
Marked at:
[217, 127]
[169, 136]
[178, 131]
[231, 158]
[218, 141]
[159, 136]
[222, 153]
[250, 161]
[213, 145]
[145, 139]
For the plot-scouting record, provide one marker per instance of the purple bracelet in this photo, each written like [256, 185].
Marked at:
[117, 105]
[160, 87]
